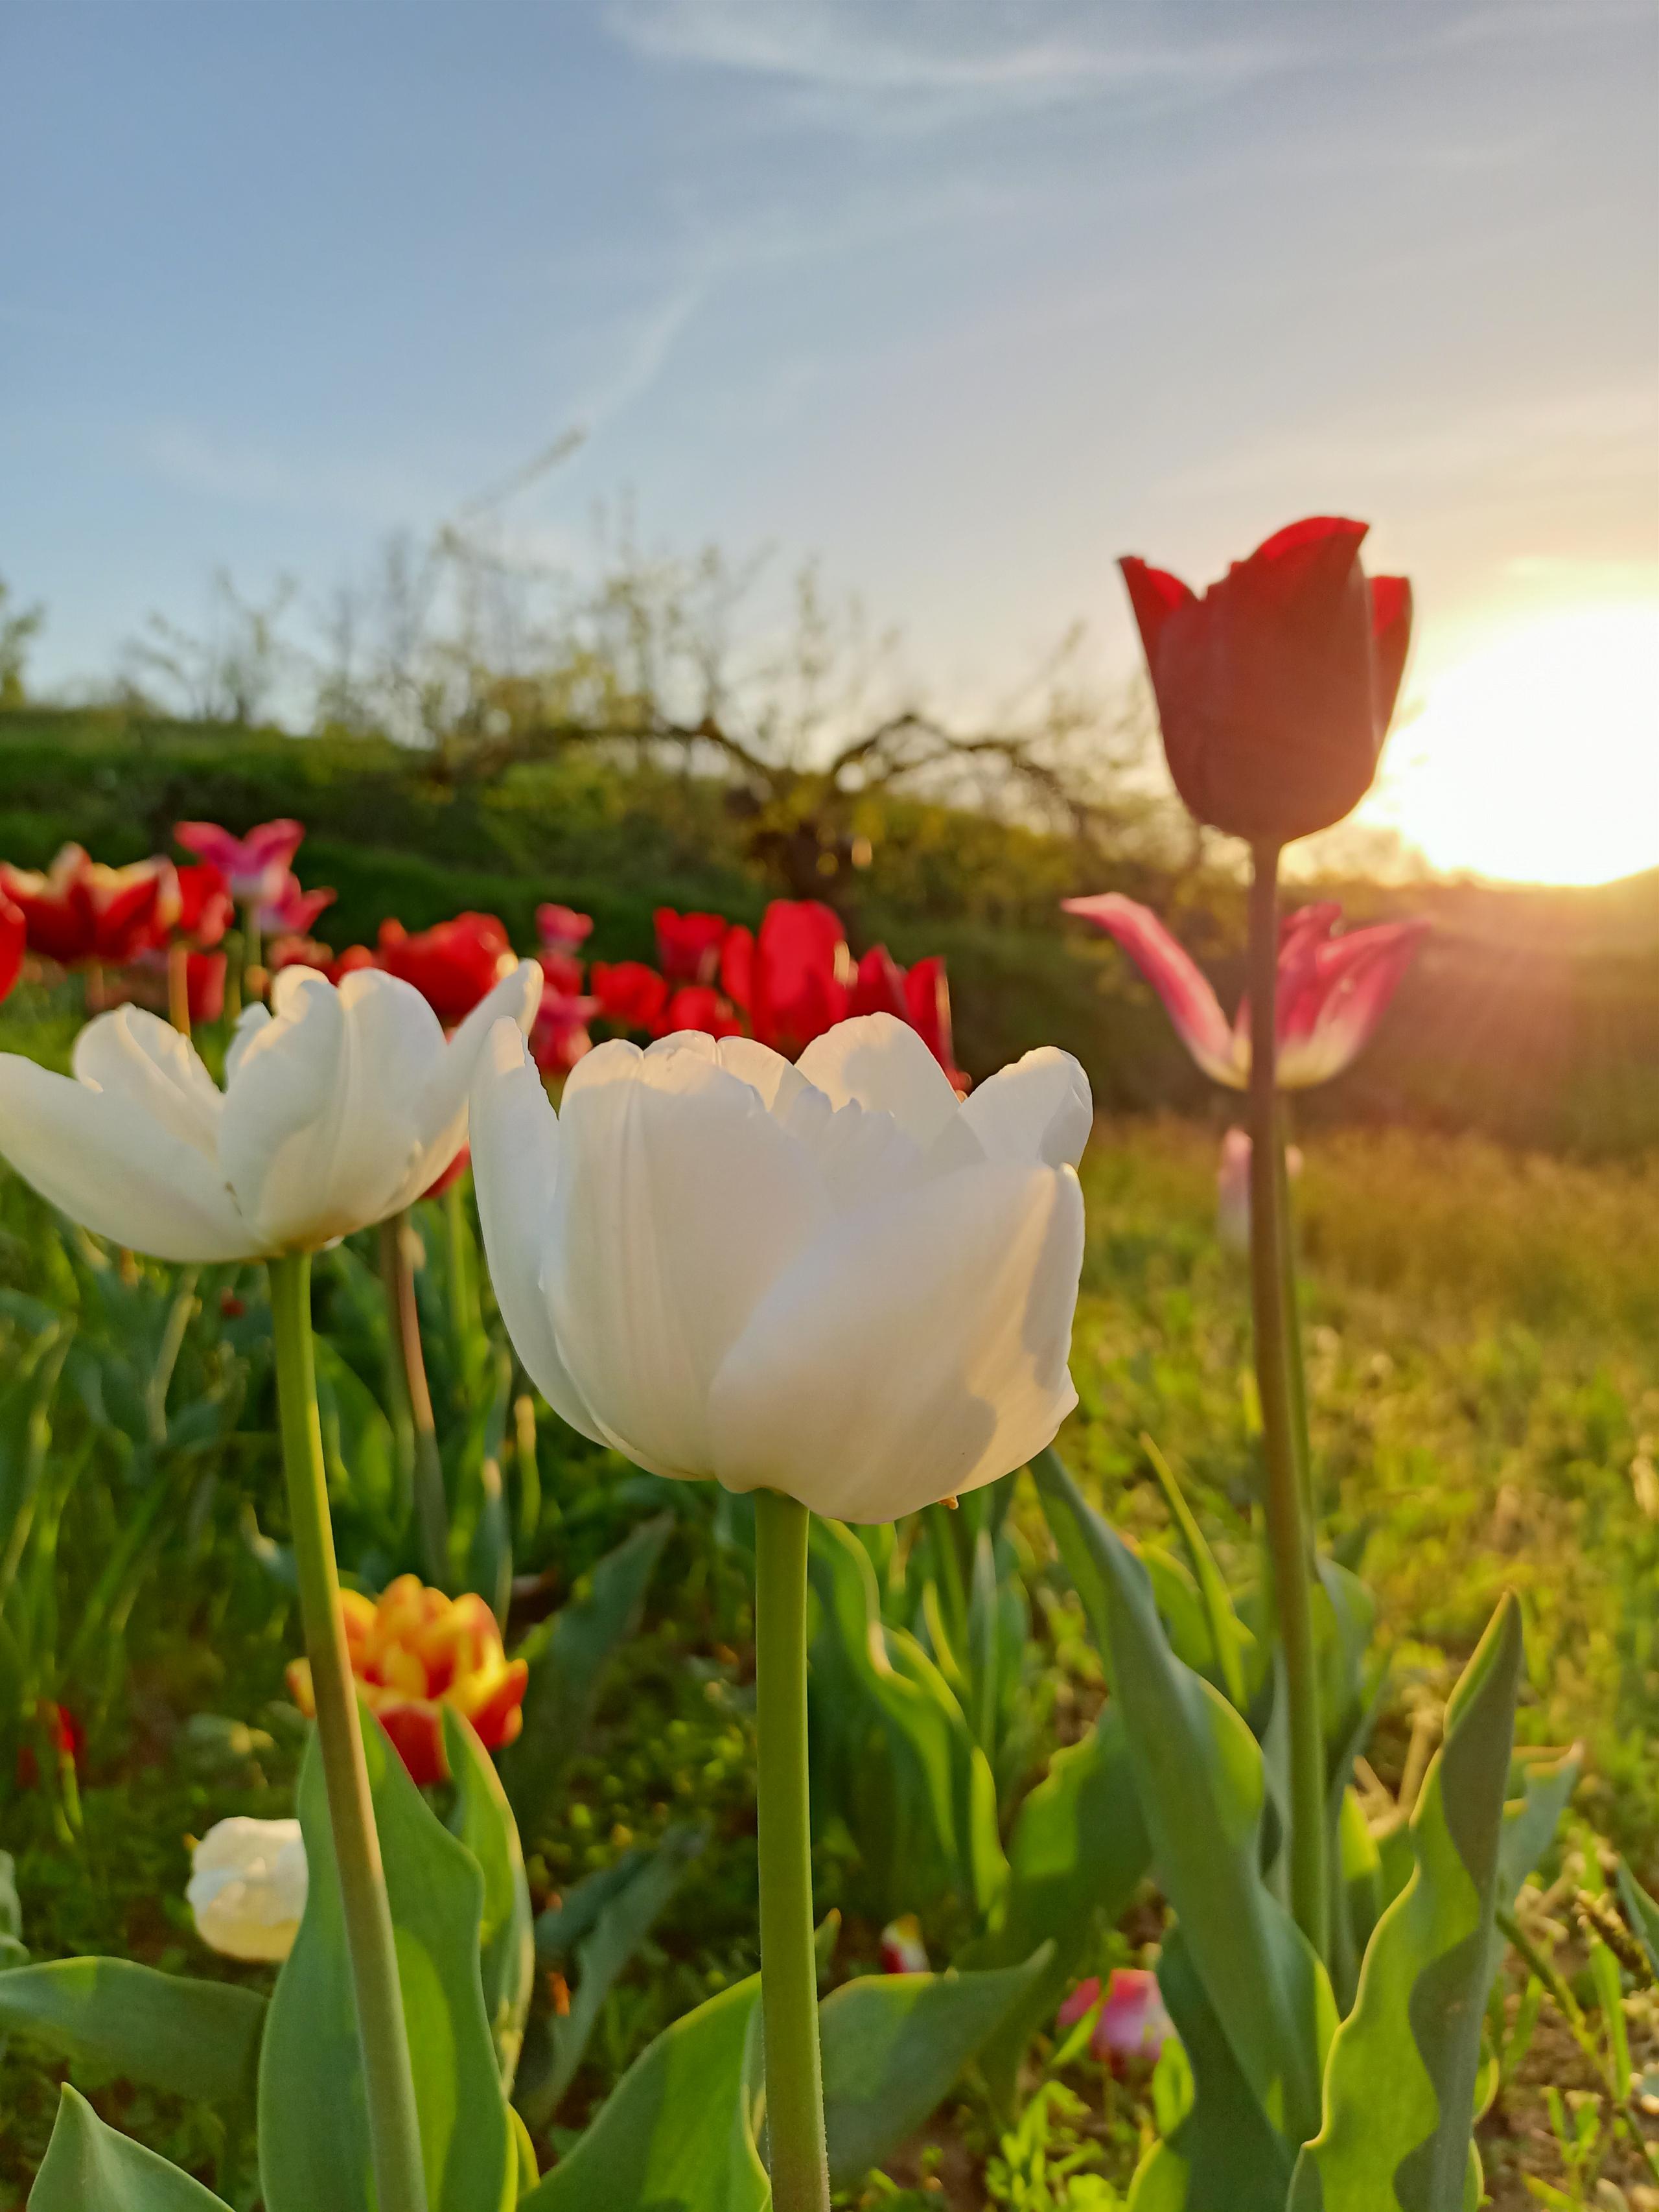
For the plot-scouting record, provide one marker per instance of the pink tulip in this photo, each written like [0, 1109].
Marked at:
[254, 866]
[291, 912]
[1232, 1188]
[1333, 991]
[561, 928]
[1133, 2023]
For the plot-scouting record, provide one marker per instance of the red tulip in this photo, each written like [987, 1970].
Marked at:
[631, 996]
[1275, 688]
[354, 956]
[801, 975]
[878, 987]
[14, 942]
[254, 866]
[698, 1007]
[561, 928]
[203, 909]
[292, 911]
[453, 965]
[1333, 991]
[81, 911]
[1133, 2024]
[922, 997]
[689, 944]
[558, 1038]
[561, 972]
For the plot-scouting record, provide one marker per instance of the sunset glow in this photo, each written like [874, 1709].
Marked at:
[1536, 757]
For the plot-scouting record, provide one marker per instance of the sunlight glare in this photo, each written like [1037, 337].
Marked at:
[1536, 759]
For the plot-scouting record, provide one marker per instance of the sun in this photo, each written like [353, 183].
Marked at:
[1536, 758]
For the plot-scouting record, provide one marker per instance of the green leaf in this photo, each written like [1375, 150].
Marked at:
[89, 2167]
[1641, 1913]
[1399, 2087]
[313, 2130]
[189, 2039]
[1199, 1776]
[1078, 1854]
[1229, 2158]
[1531, 1820]
[894, 2044]
[567, 1660]
[677, 2132]
[600, 1925]
[483, 1820]
[1228, 1635]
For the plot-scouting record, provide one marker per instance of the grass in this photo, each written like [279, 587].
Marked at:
[1483, 1331]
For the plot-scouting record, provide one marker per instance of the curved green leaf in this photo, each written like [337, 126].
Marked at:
[677, 2132]
[189, 2039]
[89, 2167]
[568, 1657]
[1399, 2088]
[1641, 1913]
[314, 2130]
[894, 2044]
[1078, 1854]
[1199, 1776]
[1223, 2156]
[483, 1820]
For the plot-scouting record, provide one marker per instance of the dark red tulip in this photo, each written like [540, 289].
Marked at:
[79, 911]
[453, 965]
[699, 1006]
[689, 944]
[1275, 688]
[13, 943]
[631, 996]
[801, 975]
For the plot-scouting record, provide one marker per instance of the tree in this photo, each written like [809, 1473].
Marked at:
[19, 628]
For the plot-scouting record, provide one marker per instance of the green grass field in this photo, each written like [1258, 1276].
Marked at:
[1483, 1331]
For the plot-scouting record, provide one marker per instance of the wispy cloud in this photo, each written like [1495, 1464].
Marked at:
[231, 468]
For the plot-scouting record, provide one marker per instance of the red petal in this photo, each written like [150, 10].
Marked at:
[13, 937]
[1391, 636]
[1190, 1003]
[738, 966]
[1154, 594]
[1311, 557]
[880, 988]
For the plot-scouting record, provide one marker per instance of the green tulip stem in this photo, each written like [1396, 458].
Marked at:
[409, 1387]
[252, 940]
[465, 1318]
[1298, 1363]
[1290, 1530]
[394, 2130]
[789, 1981]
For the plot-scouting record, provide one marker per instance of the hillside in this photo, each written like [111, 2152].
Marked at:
[1532, 1014]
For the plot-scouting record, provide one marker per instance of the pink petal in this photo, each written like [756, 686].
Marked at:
[1190, 1003]
[1084, 1998]
[1357, 977]
[1133, 2023]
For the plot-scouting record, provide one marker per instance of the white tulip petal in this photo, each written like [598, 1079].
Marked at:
[135, 1056]
[1040, 1109]
[915, 1351]
[249, 1023]
[679, 1199]
[780, 1084]
[116, 1169]
[319, 1136]
[515, 1166]
[442, 1115]
[878, 1060]
[862, 1154]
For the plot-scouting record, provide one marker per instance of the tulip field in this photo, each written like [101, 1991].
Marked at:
[619, 1587]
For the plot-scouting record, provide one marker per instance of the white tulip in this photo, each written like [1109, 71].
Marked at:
[247, 1887]
[340, 1107]
[834, 1280]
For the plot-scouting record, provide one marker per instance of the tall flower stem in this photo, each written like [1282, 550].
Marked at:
[789, 1981]
[409, 1367]
[1296, 1361]
[394, 2131]
[466, 1319]
[1290, 1534]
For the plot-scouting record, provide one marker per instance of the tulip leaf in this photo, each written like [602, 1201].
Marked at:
[1401, 2084]
[600, 1925]
[89, 2167]
[1077, 1855]
[483, 1820]
[893, 2045]
[568, 1657]
[892, 1743]
[1641, 1913]
[676, 2134]
[1199, 1776]
[127, 2022]
[313, 2130]
[1531, 1820]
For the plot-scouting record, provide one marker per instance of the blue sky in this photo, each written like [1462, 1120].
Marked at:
[964, 298]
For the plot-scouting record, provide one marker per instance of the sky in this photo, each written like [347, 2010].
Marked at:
[963, 298]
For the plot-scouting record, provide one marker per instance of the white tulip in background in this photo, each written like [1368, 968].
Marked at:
[340, 1107]
[834, 1280]
[247, 1887]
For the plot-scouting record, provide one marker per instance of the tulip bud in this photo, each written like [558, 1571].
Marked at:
[1275, 688]
[247, 1887]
